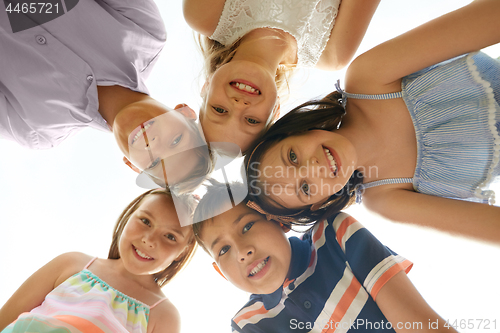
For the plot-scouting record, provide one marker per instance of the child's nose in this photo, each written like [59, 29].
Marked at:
[148, 240]
[245, 253]
[317, 169]
[240, 102]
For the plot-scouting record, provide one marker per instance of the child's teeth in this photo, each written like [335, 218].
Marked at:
[333, 163]
[143, 255]
[259, 267]
[138, 135]
[245, 87]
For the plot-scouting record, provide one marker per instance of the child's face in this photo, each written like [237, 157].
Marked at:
[254, 254]
[306, 169]
[153, 237]
[239, 99]
[157, 140]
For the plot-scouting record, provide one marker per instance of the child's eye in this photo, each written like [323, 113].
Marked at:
[253, 121]
[171, 237]
[224, 250]
[293, 157]
[248, 226]
[154, 163]
[219, 110]
[146, 222]
[176, 141]
[305, 188]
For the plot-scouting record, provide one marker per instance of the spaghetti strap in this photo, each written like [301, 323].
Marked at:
[362, 187]
[90, 263]
[152, 306]
[345, 95]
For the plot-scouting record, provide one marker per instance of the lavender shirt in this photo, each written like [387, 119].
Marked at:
[49, 73]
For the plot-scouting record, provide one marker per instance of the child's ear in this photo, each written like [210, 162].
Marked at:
[186, 111]
[204, 89]
[130, 165]
[216, 267]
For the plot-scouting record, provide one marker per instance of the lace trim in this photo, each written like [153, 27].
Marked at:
[309, 23]
[481, 191]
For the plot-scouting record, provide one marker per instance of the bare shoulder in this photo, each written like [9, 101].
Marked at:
[165, 318]
[69, 263]
[361, 77]
[203, 15]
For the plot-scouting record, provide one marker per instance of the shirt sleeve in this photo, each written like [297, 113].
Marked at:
[372, 263]
[144, 13]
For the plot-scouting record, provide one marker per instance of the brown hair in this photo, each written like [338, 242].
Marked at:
[177, 265]
[324, 114]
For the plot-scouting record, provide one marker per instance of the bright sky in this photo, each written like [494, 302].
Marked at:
[68, 198]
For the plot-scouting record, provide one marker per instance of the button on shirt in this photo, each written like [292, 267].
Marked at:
[336, 272]
[49, 73]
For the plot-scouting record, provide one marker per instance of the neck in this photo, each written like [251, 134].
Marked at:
[112, 99]
[267, 47]
[362, 138]
[144, 281]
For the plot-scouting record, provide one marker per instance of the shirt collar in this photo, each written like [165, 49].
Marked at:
[301, 255]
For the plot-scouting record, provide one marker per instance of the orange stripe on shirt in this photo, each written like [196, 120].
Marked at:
[250, 314]
[80, 324]
[319, 231]
[382, 280]
[343, 228]
[343, 305]
[287, 282]
[313, 255]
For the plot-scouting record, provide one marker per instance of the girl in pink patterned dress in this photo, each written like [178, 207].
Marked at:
[78, 293]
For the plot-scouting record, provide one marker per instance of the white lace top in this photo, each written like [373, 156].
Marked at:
[310, 22]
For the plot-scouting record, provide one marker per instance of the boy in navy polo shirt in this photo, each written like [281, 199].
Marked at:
[338, 277]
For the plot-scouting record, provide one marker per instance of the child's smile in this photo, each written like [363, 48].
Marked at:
[260, 268]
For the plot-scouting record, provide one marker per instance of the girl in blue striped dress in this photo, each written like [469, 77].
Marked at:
[412, 131]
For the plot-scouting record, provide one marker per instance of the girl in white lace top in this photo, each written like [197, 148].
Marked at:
[249, 46]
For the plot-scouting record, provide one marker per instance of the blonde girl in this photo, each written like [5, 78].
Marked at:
[76, 292]
[249, 45]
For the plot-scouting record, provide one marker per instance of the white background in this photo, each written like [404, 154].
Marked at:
[68, 198]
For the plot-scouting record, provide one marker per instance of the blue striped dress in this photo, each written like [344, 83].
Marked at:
[454, 106]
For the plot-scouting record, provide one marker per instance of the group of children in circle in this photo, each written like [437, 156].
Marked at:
[420, 111]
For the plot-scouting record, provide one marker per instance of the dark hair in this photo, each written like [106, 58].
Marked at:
[324, 114]
[212, 204]
[177, 265]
